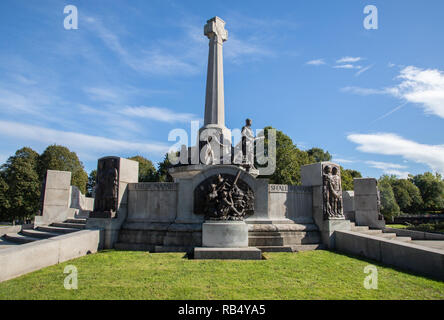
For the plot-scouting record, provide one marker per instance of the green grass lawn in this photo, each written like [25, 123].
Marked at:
[140, 275]
[397, 226]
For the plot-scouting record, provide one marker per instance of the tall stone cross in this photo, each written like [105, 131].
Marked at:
[214, 99]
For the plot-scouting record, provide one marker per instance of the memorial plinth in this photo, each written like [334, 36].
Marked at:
[226, 240]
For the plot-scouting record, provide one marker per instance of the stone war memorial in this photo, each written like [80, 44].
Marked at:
[217, 207]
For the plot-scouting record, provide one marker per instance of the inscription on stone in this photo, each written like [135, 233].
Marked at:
[283, 188]
[150, 186]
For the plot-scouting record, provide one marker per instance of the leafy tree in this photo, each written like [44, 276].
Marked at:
[147, 171]
[347, 176]
[4, 201]
[432, 190]
[21, 195]
[319, 155]
[407, 195]
[389, 207]
[92, 179]
[60, 158]
[289, 160]
[162, 174]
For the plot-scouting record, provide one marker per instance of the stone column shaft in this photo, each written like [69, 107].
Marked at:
[214, 99]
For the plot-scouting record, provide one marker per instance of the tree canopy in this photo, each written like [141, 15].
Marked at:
[289, 159]
[389, 207]
[407, 195]
[319, 155]
[347, 176]
[147, 171]
[162, 174]
[20, 185]
[431, 187]
[60, 158]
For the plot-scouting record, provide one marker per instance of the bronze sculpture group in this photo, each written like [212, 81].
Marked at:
[332, 192]
[224, 197]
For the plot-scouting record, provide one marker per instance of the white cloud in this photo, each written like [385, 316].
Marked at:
[159, 114]
[339, 160]
[236, 48]
[363, 70]
[86, 144]
[348, 60]
[347, 66]
[394, 145]
[424, 87]
[363, 91]
[421, 86]
[102, 94]
[389, 168]
[317, 62]
[147, 61]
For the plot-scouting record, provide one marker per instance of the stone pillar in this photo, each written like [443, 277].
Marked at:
[214, 121]
[113, 176]
[214, 99]
[111, 201]
[367, 203]
[320, 176]
[56, 196]
[348, 197]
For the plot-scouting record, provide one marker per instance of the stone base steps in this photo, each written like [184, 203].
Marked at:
[295, 248]
[68, 225]
[284, 238]
[378, 233]
[18, 238]
[77, 220]
[38, 234]
[53, 229]
[42, 232]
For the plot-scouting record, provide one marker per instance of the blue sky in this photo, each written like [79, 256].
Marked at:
[135, 70]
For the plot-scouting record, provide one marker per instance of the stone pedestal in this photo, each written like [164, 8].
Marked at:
[367, 203]
[111, 220]
[56, 196]
[225, 234]
[226, 240]
[113, 176]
